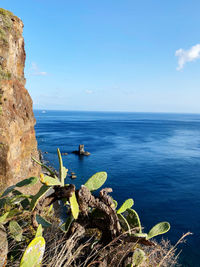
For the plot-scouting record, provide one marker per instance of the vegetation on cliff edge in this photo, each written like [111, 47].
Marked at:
[95, 233]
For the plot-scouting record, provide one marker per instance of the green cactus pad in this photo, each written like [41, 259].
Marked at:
[74, 206]
[138, 257]
[115, 202]
[15, 230]
[65, 226]
[133, 219]
[144, 235]
[8, 190]
[158, 229]
[27, 182]
[96, 181]
[44, 166]
[3, 218]
[50, 181]
[124, 224]
[43, 190]
[42, 221]
[126, 205]
[62, 169]
[39, 231]
[34, 253]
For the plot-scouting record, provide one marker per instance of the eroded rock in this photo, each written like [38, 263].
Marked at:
[17, 136]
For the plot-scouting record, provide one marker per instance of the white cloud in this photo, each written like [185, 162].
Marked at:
[89, 92]
[189, 55]
[35, 70]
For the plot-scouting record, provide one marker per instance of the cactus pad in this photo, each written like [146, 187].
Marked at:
[96, 181]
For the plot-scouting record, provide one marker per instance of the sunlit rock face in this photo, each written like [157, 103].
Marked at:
[17, 136]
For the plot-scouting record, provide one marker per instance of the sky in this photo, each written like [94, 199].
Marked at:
[112, 55]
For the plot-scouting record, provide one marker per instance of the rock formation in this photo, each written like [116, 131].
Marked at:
[17, 136]
[81, 151]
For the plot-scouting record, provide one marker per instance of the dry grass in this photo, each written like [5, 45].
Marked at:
[83, 252]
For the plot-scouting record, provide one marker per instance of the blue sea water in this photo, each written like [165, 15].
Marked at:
[152, 158]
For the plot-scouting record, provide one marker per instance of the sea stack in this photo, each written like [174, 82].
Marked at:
[17, 136]
[81, 151]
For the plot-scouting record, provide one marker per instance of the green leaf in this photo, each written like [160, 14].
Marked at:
[19, 198]
[124, 224]
[74, 205]
[133, 219]
[50, 181]
[25, 204]
[8, 190]
[13, 213]
[50, 209]
[3, 217]
[115, 202]
[158, 229]
[144, 235]
[2, 203]
[126, 205]
[44, 166]
[138, 257]
[27, 182]
[65, 226]
[43, 221]
[15, 230]
[39, 231]
[34, 253]
[62, 170]
[96, 181]
[43, 190]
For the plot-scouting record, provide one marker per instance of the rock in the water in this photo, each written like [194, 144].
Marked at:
[17, 136]
[81, 151]
[3, 246]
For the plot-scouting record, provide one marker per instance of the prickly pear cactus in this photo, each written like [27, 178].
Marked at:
[34, 253]
[43, 190]
[39, 231]
[4, 217]
[74, 206]
[65, 226]
[63, 170]
[96, 181]
[42, 221]
[133, 219]
[138, 257]
[26, 182]
[158, 229]
[49, 181]
[15, 230]
[126, 205]
[124, 224]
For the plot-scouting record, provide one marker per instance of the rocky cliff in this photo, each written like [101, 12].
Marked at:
[17, 136]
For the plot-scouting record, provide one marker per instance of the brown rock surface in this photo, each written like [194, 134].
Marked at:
[17, 136]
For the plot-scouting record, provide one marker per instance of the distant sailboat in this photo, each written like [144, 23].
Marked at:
[44, 111]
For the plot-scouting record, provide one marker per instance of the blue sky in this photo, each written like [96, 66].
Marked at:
[112, 55]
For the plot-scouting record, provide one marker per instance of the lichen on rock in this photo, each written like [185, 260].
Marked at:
[17, 136]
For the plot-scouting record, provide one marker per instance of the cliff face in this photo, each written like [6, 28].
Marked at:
[17, 136]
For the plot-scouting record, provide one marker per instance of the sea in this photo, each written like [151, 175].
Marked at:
[153, 158]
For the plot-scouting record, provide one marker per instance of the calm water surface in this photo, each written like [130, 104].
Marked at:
[153, 158]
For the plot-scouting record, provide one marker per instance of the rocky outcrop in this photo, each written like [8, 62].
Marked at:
[81, 151]
[17, 136]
